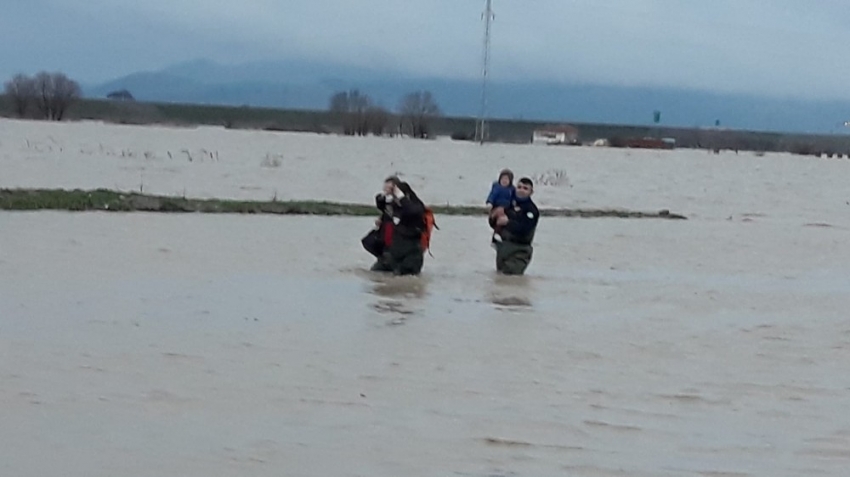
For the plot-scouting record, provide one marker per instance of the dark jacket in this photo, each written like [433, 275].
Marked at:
[522, 222]
[408, 214]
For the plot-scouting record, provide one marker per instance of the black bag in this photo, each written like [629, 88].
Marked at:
[373, 242]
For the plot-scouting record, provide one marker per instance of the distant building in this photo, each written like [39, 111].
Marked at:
[555, 134]
[121, 95]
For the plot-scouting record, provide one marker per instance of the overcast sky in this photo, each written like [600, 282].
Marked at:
[795, 48]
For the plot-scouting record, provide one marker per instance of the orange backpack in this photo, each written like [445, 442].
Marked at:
[430, 224]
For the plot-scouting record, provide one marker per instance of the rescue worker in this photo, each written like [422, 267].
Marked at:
[519, 224]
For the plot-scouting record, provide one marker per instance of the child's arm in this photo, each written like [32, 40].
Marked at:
[492, 196]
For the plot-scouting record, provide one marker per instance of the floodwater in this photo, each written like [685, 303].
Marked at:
[213, 162]
[196, 345]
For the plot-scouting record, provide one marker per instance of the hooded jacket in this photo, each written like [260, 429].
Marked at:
[501, 196]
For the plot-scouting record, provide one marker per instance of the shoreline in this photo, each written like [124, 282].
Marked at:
[106, 200]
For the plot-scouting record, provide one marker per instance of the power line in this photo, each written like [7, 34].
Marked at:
[481, 130]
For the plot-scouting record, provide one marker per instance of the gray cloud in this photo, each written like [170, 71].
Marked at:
[774, 47]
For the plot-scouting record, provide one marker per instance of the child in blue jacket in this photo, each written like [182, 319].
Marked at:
[502, 195]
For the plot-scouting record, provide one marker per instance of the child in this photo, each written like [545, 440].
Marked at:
[502, 194]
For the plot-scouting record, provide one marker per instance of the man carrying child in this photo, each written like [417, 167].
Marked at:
[514, 224]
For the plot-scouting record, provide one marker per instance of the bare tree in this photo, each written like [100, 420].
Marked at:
[339, 102]
[359, 104]
[417, 110]
[44, 94]
[352, 107]
[54, 93]
[21, 90]
[377, 119]
[65, 92]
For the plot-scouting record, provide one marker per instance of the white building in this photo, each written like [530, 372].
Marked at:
[552, 135]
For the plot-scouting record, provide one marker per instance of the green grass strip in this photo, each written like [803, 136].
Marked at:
[114, 201]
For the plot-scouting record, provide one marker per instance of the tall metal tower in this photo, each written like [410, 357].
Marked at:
[481, 131]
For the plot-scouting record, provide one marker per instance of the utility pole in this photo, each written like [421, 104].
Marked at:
[481, 132]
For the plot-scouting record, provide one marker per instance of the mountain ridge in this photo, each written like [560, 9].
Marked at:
[306, 84]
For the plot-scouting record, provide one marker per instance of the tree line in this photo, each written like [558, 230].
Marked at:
[50, 95]
[44, 96]
[359, 115]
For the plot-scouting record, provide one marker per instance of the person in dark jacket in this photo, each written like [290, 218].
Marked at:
[519, 224]
[401, 225]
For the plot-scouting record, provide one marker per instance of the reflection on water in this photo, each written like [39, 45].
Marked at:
[402, 295]
[510, 301]
[398, 296]
[388, 285]
[511, 291]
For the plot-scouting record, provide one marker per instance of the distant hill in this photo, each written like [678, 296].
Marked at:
[308, 85]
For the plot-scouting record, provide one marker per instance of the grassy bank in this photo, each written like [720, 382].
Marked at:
[114, 201]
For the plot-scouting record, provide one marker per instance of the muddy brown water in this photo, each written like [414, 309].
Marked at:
[143, 344]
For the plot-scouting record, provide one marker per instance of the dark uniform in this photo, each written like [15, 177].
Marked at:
[514, 252]
[404, 255]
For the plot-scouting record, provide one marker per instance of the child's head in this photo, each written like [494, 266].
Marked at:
[506, 177]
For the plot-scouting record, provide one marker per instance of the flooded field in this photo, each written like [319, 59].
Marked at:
[210, 162]
[146, 345]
